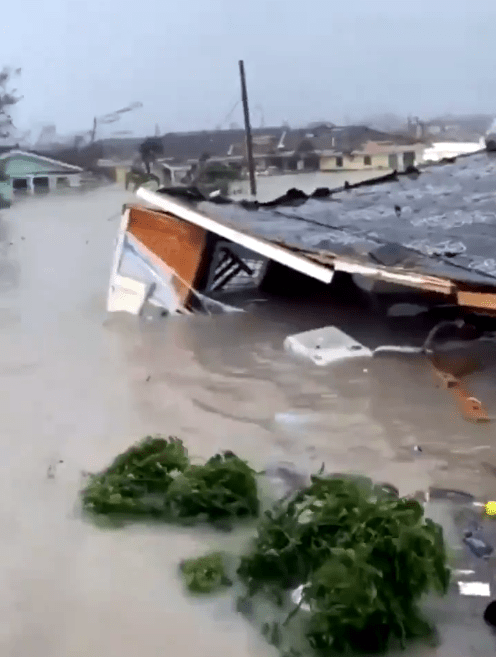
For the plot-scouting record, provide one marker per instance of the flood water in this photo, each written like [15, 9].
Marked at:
[271, 187]
[75, 389]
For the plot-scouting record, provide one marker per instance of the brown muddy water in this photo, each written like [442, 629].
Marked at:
[75, 390]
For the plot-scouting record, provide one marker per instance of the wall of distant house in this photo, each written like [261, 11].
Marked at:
[6, 192]
[358, 162]
[353, 162]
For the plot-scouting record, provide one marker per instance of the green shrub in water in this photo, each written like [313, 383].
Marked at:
[154, 478]
[224, 487]
[137, 480]
[365, 556]
[205, 574]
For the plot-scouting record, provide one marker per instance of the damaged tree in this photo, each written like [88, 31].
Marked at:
[149, 150]
[7, 100]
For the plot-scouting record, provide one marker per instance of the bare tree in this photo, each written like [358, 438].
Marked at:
[8, 98]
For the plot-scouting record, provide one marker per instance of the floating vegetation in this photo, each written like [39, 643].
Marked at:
[205, 574]
[365, 558]
[137, 481]
[154, 478]
[359, 557]
[224, 487]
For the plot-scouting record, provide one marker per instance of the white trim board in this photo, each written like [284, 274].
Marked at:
[263, 247]
[8, 154]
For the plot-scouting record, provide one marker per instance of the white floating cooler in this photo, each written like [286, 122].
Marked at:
[325, 346]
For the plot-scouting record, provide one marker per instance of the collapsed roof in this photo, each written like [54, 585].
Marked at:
[435, 228]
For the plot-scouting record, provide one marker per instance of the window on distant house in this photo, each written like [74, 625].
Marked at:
[367, 160]
[339, 161]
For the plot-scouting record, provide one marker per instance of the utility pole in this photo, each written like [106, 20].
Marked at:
[249, 143]
[93, 132]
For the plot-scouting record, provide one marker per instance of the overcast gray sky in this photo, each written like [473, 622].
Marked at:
[304, 60]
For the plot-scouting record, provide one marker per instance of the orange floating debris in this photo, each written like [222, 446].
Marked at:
[470, 407]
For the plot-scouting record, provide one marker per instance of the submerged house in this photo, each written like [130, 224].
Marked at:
[32, 171]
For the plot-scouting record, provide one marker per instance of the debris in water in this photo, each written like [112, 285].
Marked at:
[244, 606]
[490, 508]
[482, 589]
[292, 550]
[293, 418]
[154, 478]
[289, 476]
[450, 494]
[326, 345]
[463, 573]
[406, 310]
[297, 597]
[205, 574]
[52, 469]
[148, 377]
[477, 546]
[489, 467]
[137, 481]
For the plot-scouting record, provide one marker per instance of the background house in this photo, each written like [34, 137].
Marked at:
[277, 149]
[31, 171]
[360, 147]
[374, 155]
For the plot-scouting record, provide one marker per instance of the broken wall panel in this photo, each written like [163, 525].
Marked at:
[178, 244]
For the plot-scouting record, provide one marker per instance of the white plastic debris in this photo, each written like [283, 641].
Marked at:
[463, 573]
[126, 295]
[481, 589]
[295, 418]
[296, 596]
[325, 346]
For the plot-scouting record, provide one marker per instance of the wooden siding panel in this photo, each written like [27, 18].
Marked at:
[179, 244]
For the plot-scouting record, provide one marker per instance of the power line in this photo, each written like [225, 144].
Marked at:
[231, 112]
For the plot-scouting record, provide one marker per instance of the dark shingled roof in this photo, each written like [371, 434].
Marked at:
[191, 145]
[440, 223]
